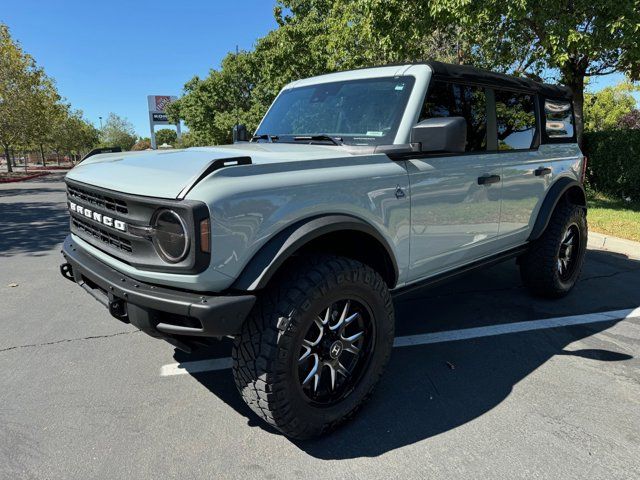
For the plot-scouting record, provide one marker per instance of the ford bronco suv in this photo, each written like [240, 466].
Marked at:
[356, 185]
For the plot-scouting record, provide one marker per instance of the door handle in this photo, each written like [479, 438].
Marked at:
[488, 179]
[542, 171]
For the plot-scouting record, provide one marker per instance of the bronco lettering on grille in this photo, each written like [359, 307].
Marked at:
[98, 217]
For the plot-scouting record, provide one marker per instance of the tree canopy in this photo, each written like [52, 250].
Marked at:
[564, 41]
[32, 112]
[118, 132]
[168, 136]
[603, 110]
[570, 39]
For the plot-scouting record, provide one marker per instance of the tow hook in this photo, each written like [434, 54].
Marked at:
[67, 272]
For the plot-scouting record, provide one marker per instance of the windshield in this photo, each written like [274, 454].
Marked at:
[357, 112]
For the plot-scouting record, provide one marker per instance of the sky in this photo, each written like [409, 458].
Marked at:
[108, 56]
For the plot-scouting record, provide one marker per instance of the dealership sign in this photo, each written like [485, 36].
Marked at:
[158, 114]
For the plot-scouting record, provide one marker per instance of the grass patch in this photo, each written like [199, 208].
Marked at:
[613, 216]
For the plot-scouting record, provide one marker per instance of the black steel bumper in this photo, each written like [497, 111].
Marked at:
[174, 315]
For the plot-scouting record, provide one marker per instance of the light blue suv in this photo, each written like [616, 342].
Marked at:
[356, 185]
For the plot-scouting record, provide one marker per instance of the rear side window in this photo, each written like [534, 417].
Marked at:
[558, 119]
[515, 120]
[452, 100]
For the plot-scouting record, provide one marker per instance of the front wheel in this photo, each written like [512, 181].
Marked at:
[553, 263]
[315, 345]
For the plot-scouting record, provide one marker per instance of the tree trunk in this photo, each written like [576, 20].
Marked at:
[58, 158]
[44, 160]
[573, 75]
[8, 155]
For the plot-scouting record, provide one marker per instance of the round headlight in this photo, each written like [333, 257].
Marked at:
[170, 236]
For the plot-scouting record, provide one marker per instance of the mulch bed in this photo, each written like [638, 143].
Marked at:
[19, 176]
[52, 167]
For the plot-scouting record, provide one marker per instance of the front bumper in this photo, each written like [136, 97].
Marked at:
[174, 315]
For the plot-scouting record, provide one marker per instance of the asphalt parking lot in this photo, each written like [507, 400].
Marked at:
[85, 396]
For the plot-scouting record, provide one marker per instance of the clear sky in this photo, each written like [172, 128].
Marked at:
[108, 56]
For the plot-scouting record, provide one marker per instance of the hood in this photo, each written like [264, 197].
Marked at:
[166, 173]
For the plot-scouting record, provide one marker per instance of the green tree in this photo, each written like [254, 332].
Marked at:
[313, 37]
[73, 135]
[23, 87]
[604, 109]
[575, 38]
[211, 106]
[46, 111]
[166, 135]
[187, 140]
[118, 131]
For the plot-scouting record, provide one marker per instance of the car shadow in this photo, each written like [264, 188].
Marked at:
[431, 389]
[31, 227]
[12, 192]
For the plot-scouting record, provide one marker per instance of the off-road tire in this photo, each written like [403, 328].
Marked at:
[539, 267]
[265, 353]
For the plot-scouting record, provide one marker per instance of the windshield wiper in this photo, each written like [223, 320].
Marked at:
[265, 136]
[321, 136]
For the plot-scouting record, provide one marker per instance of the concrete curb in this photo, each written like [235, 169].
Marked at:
[600, 241]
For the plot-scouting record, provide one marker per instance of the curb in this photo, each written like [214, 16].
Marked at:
[22, 179]
[51, 168]
[613, 244]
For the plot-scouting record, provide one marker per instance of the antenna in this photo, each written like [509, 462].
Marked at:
[238, 80]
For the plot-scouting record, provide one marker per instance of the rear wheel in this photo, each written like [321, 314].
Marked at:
[553, 263]
[315, 345]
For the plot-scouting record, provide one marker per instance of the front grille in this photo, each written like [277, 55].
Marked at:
[134, 211]
[104, 236]
[93, 198]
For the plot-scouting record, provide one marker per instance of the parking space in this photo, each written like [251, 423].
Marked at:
[536, 388]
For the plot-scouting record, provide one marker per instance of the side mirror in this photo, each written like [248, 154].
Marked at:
[448, 134]
[239, 133]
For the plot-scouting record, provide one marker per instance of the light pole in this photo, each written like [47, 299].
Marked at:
[100, 122]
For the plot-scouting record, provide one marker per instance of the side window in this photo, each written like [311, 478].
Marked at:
[558, 119]
[515, 120]
[452, 100]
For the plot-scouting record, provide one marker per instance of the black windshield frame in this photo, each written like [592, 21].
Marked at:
[341, 102]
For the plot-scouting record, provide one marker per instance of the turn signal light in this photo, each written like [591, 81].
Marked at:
[205, 236]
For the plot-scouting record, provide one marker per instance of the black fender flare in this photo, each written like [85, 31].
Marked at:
[558, 190]
[266, 262]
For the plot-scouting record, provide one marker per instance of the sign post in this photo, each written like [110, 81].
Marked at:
[158, 115]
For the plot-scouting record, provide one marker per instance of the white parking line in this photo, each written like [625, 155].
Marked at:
[437, 337]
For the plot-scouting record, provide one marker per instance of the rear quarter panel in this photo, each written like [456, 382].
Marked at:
[523, 192]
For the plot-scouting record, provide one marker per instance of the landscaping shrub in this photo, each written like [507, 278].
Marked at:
[614, 162]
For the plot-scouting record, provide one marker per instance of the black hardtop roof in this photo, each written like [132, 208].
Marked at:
[468, 74]
[478, 76]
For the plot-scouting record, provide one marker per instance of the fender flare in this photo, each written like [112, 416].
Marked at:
[555, 193]
[266, 262]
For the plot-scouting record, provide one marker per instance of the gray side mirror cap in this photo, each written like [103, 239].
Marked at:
[448, 134]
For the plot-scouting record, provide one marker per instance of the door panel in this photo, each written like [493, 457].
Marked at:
[453, 219]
